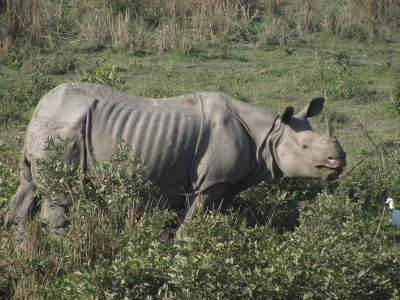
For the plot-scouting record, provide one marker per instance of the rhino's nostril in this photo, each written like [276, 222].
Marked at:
[332, 160]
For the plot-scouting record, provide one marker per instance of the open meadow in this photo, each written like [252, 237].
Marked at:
[295, 239]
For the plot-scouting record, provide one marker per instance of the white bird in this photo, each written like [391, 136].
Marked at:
[394, 213]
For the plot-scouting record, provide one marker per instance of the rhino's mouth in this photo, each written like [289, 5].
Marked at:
[331, 168]
[329, 173]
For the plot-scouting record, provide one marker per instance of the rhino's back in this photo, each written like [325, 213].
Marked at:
[164, 137]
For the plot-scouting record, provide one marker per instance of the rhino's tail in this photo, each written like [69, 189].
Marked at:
[24, 203]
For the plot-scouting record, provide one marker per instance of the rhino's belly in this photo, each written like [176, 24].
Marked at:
[164, 138]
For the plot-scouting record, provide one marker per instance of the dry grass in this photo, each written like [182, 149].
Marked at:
[95, 27]
[378, 12]
[195, 22]
[171, 37]
[274, 7]
[275, 32]
[5, 45]
[35, 20]
[179, 25]
[368, 20]
[127, 34]
[303, 13]
[120, 31]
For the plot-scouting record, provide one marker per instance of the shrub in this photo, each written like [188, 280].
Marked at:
[107, 75]
[108, 208]
[335, 247]
[370, 184]
[277, 205]
[332, 250]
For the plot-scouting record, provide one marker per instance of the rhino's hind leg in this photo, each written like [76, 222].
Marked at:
[24, 203]
[207, 200]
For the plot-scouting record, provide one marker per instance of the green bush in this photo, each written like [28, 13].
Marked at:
[108, 75]
[278, 204]
[332, 254]
[377, 179]
[339, 255]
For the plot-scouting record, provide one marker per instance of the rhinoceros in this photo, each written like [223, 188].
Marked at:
[200, 149]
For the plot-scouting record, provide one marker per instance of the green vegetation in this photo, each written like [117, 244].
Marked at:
[297, 239]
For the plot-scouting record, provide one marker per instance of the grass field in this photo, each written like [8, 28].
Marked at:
[297, 239]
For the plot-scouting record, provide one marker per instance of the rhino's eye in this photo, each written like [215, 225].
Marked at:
[305, 146]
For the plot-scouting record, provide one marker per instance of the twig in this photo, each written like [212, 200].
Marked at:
[362, 160]
[380, 222]
[372, 142]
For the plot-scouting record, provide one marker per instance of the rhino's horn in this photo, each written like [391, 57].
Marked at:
[329, 126]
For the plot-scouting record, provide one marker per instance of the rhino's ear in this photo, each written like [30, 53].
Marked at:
[313, 108]
[287, 114]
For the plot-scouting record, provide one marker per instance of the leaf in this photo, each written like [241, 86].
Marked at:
[361, 273]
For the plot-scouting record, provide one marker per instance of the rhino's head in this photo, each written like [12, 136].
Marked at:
[302, 152]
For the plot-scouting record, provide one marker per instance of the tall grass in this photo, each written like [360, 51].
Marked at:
[181, 25]
[379, 12]
[367, 20]
[205, 22]
[37, 21]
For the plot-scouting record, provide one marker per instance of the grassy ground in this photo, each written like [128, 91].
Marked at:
[298, 239]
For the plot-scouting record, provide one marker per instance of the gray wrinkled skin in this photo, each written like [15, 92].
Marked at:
[205, 145]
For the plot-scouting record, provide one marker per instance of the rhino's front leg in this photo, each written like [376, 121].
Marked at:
[207, 200]
[56, 216]
[24, 203]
